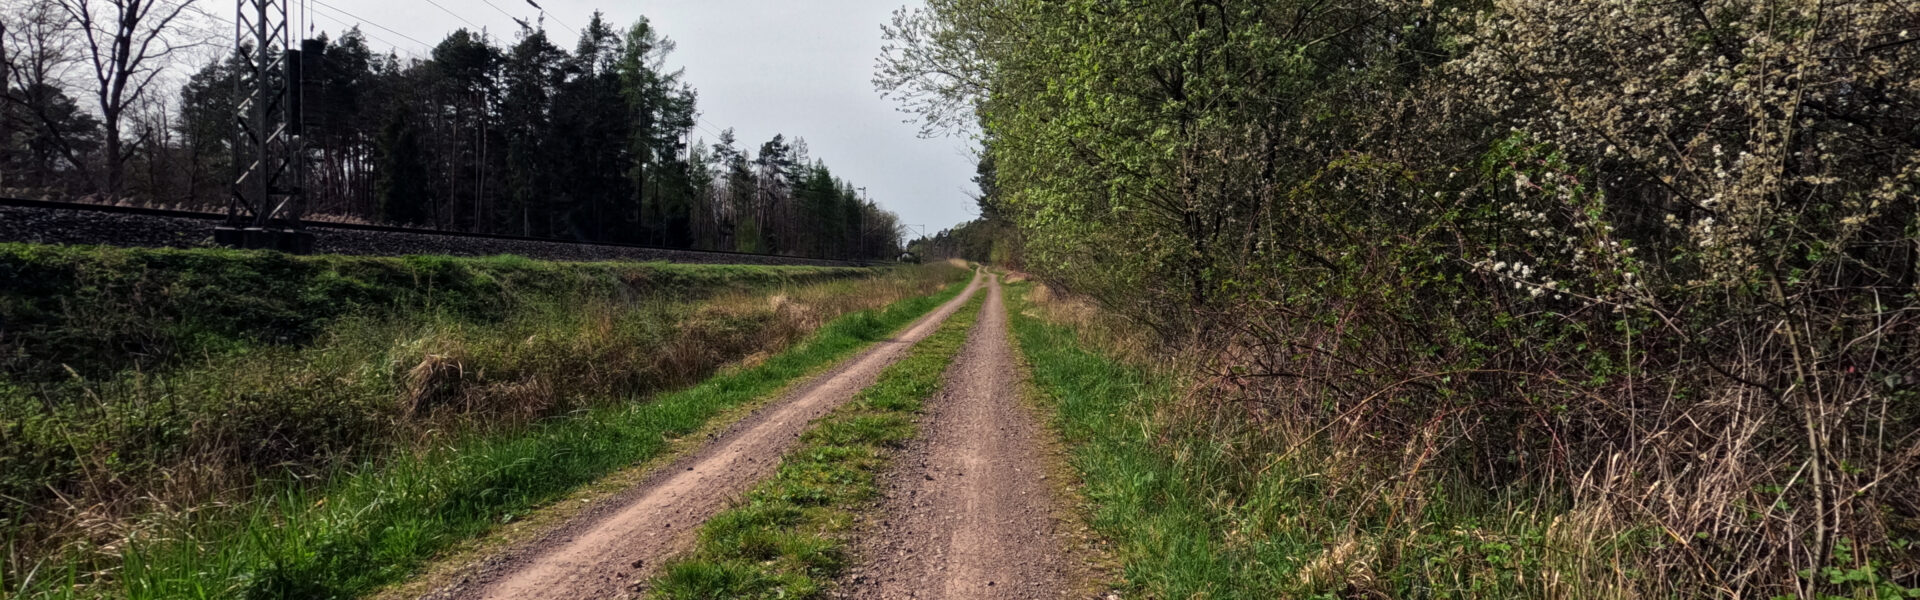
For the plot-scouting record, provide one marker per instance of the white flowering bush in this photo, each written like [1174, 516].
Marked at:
[1646, 272]
[1767, 152]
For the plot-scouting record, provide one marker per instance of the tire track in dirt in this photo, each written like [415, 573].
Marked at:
[968, 512]
[609, 549]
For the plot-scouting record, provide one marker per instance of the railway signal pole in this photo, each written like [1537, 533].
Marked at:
[268, 198]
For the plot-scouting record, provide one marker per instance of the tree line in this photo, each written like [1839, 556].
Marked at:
[1611, 265]
[991, 238]
[596, 142]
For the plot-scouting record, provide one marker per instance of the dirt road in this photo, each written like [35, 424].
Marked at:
[609, 549]
[968, 512]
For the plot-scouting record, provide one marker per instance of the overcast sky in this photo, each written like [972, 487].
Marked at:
[802, 68]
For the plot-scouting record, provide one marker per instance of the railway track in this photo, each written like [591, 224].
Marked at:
[46, 222]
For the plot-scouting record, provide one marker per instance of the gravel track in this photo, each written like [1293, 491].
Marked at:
[611, 548]
[967, 511]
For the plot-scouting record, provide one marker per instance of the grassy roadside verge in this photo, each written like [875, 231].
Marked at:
[785, 540]
[374, 525]
[1141, 500]
[1200, 509]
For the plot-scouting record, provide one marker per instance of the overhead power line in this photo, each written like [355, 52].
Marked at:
[504, 12]
[716, 134]
[556, 18]
[455, 14]
[343, 23]
[371, 22]
[524, 23]
[227, 22]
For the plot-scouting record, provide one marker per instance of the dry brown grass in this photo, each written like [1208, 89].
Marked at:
[601, 351]
[1343, 567]
[433, 381]
[1097, 328]
[372, 388]
[1389, 510]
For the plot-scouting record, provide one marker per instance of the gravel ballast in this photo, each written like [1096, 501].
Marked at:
[88, 227]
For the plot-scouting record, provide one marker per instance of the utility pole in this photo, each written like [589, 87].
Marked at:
[268, 198]
[6, 87]
[860, 230]
[486, 102]
[479, 158]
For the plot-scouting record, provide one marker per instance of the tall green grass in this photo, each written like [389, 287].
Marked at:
[376, 522]
[787, 539]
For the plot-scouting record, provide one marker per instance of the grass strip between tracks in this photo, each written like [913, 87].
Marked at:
[787, 539]
[380, 525]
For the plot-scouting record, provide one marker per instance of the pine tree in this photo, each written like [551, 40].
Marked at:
[532, 73]
[660, 110]
[401, 185]
[588, 144]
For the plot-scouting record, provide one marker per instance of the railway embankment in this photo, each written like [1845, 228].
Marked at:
[158, 402]
[83, 224]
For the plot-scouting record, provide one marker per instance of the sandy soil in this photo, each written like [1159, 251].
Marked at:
[612, 548]
[968, 511]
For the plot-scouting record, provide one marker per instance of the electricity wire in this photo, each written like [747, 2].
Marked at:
[504, 12]
[455, 14]
[523, 23]
[556, 19]
[715, 134]
[389, 43]
[370, 22]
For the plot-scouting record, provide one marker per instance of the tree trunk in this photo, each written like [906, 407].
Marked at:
[116, 167]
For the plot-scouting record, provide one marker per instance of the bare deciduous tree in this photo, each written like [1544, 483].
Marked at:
[37, 55]
[127, 43]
